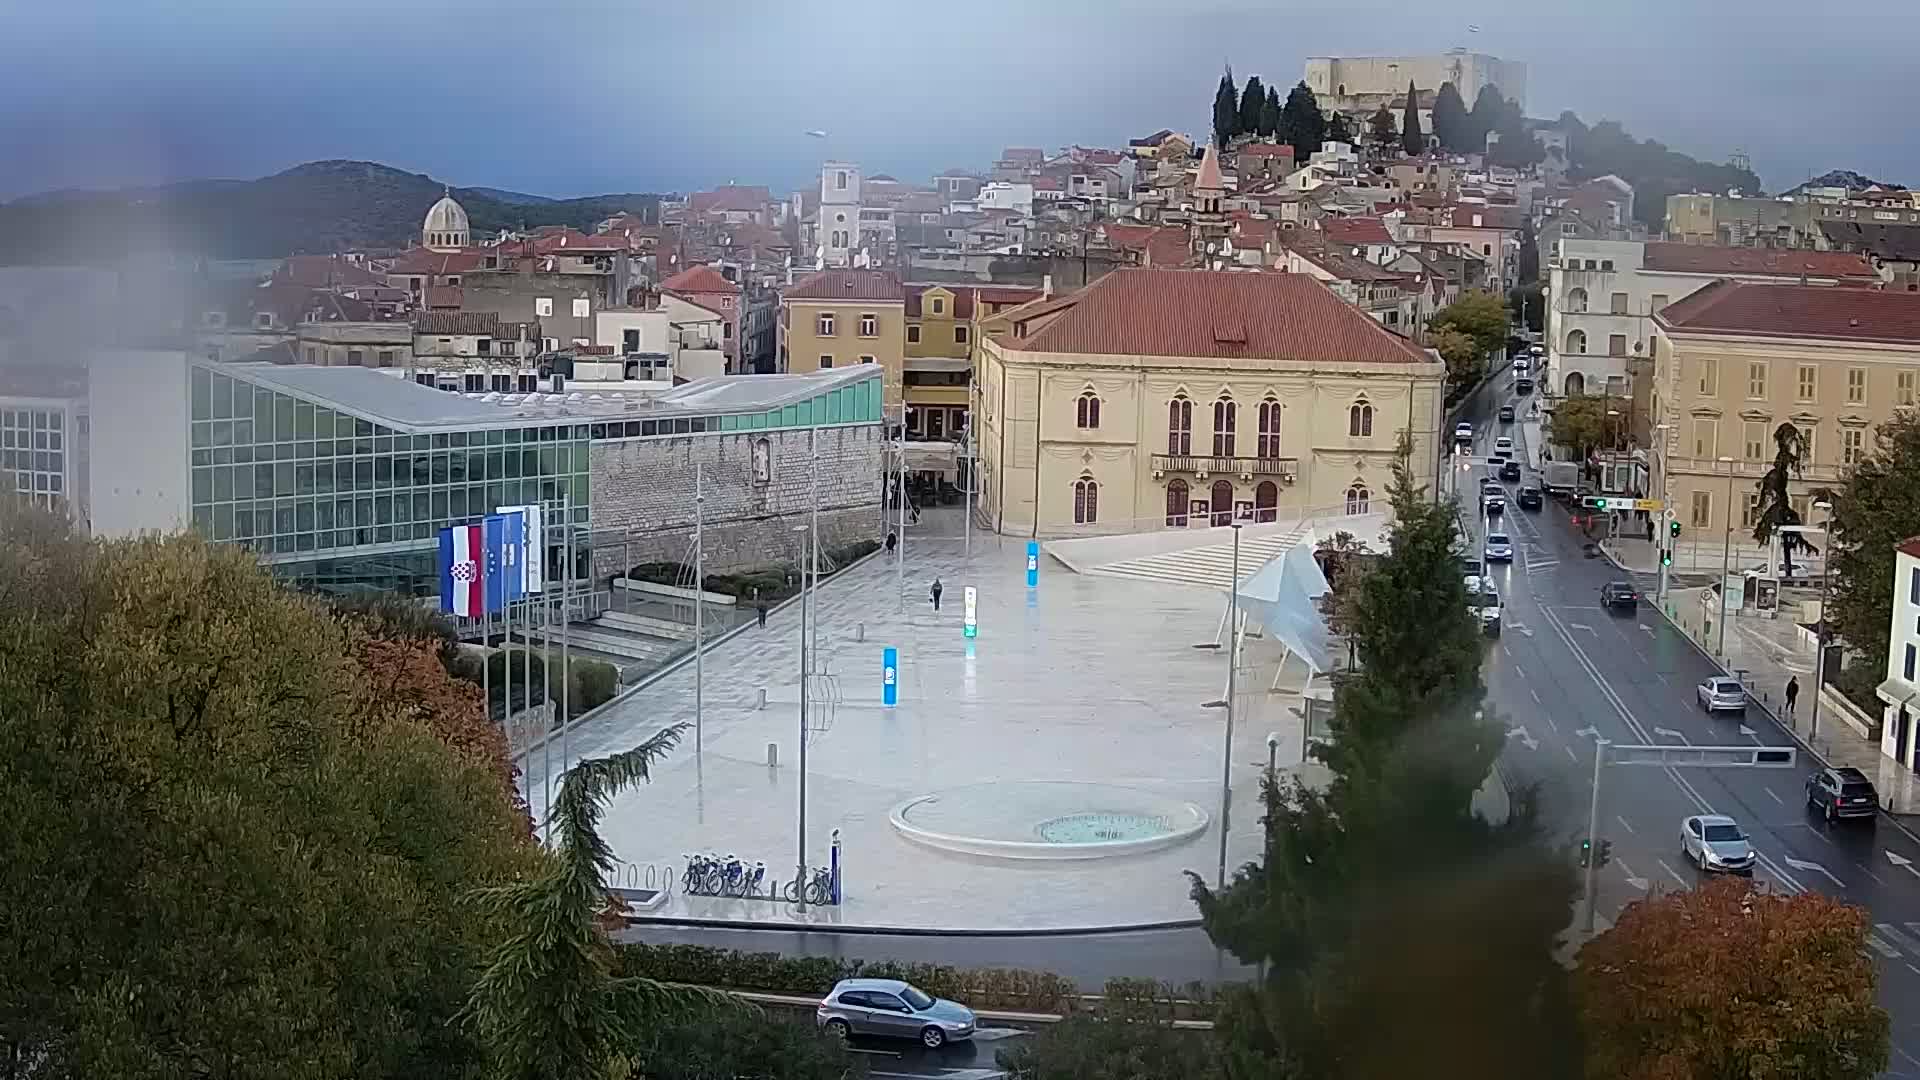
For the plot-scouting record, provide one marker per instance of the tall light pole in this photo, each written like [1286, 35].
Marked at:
[1593, 827]
[1233, 669]
[1820, 633]
[1665, 535]
[1726, 558]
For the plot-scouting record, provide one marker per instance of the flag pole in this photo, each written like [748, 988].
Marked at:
[699, 609]
[546, 699]
[566, 642]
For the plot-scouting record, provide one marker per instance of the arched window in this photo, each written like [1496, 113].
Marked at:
[1360, 420]
[1086, 500]
[1178, 498]
[1220, 503]
[1577, 300]
[1357, 496]
[1086, 411]
[1577, 342]
[1269, 429]
[1266, 501]
[1179, 426]
[1225, 413]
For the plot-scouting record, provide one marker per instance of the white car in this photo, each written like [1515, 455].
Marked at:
[1522, 365]
[1499, 547]
[1713, 842]
[1503, 445]
[1721, 694]
[1463, 433]
[1485, 602]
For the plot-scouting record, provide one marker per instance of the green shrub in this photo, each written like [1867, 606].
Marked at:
[594, 683]
[983, 988]
[1085, 1048]
[723, 1044]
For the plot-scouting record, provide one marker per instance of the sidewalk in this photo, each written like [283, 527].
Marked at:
[1765, 653]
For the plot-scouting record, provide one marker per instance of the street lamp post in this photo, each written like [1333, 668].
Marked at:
[1726, 558]
[1233, 668]
[1660, 485]
[1820, 632]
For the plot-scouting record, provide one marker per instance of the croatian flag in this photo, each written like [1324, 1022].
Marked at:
[463, 576]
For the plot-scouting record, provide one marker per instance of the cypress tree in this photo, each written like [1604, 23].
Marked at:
[1450, 118]
[1412, 139]
[1270, 113]
[1252, 100]
[1301, 124]
[1226, 110]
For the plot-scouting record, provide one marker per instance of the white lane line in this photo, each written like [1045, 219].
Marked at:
[1903, 1053]
[1535, 693]
[1878, 880]
[1879, 945]
[1548, 717]
[1520, 671]
[1570, 753]
[1627, 825]
[1672, 873]
[1822, 837]
[1893, 933]
[1774, 797]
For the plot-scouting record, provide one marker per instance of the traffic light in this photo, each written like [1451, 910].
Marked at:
[1673, 528]
[1592, 502]
[1666, 557]
[1586, 850]
[1606, 852]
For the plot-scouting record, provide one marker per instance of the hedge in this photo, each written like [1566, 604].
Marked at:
[770, 584]
[594, 681]
[983, 988]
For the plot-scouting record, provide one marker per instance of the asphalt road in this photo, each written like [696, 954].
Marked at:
[1566, 669]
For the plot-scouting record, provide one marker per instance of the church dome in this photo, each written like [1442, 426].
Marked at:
[446, 225]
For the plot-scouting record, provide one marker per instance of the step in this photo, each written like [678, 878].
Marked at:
[615, 643]
[645, 624]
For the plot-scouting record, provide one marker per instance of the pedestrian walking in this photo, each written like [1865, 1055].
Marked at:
[1793, 693]
[891, 541]
[933, 593]
[760, 613]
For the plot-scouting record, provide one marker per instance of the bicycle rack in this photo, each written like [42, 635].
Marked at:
[772, 889]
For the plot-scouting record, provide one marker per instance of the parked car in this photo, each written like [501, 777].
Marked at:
[1506, 414]
[1842, 793]
[1509, 470]
[1499, 547]
[1722, 693]
[1713, 842]
[894, 1009]
[1619, 594]
[1529, 498]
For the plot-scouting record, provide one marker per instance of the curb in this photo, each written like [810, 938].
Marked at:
[1000, 1016]
[692, 923]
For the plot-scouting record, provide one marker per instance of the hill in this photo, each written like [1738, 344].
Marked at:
[319, 207]
[1840, 178]
[1654, 170]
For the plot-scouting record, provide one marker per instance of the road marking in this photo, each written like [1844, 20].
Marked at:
[1748, 732]
[1822, 836]
[1880, 946]
[1521, 628]
[1588, 732]
[1903, 863]
[1623, 823]
[1774, 797]
[1548, 717]
[1637, 882]
[1671, 872]
[1526, 740]
[1802, 864]
[1877, 879]
[1671, 734]
[1571, 754]
[1535, 693]
[1581, 626]
[1647, 628]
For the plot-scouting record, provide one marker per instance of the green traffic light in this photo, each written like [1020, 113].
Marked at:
[1673, 529]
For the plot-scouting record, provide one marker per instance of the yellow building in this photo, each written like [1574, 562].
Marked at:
[835, 318]
[1159, 399]
[943, 333]
[1735, 360]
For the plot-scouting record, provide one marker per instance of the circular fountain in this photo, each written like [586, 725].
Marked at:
[1047, 820]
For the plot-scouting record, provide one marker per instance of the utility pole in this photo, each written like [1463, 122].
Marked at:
[566, 642]
[699, 607]
[1593, 828]
[1233, 667]
[966, 448]
[806, 617]
[900, 496]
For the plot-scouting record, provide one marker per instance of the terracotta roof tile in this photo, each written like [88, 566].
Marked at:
[880, 285]
[735, 197]
[327, 272]
[1169, 246]
[1909, 546]
[445, 298]
[1808, 312]
[477, 323]
[1358, 230]
[1274, 150]
[1785, 262]
[700, 279]
[422, 261]
[1206, 313]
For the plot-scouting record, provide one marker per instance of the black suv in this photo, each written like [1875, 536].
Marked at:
[1509, 470]
[1619, 594]
[1506, 414]
[1529, 498]
[1843, 792]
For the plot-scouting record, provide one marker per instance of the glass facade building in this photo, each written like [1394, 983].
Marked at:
[343, 501]
[43, 445]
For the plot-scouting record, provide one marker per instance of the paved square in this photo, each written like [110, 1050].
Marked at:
[1085, 679]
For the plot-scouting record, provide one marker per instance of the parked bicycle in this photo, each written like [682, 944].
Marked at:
[816, 889]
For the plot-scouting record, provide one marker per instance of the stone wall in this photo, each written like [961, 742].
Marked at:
[643, 496]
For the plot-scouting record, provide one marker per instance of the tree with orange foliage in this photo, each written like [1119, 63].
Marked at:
[1728, 981]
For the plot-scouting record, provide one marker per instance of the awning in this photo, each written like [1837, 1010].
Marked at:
[1896, 691]
[944, 364]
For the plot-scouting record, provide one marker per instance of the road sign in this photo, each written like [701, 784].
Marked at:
[1033, 563]
[1620, 502]
[1652, 506]
[889, 676]
[971, 627]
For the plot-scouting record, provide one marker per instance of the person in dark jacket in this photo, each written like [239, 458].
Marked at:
[933, 593]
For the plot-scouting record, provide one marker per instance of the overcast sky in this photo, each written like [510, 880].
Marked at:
[566, 98]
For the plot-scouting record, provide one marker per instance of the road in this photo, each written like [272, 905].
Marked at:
[1566, 670]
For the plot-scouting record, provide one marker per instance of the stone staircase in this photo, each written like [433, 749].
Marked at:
[1210, 565]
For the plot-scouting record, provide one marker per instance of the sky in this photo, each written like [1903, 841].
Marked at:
[567, 98]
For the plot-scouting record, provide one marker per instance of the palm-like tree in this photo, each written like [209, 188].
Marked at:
[548, 1004]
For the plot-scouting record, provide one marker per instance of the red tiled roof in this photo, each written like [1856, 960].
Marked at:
[1169, 246]
[700, 279]
[464, 323]
[1784, 262]
[1810, 312]
[962, 299]
[1207, 313]
[1127, 237]
[736, 197]
[1277, 150]
[1909, 546]
[1491, 217]
[422, 261]
[880, 285]
[1209, 178]
[1355, 231]
[446, 297]
[326, 272]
